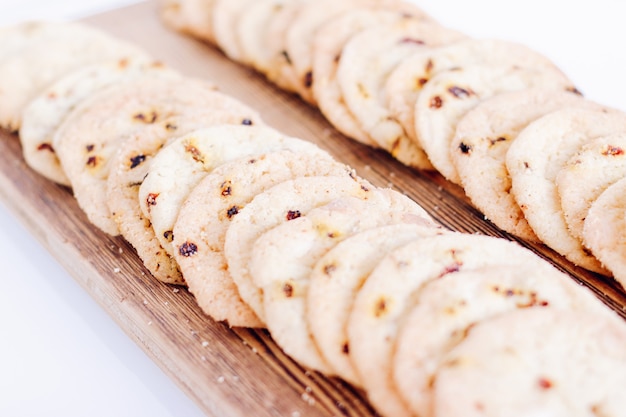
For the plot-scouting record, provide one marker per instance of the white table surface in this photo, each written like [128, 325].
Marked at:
[61, 355]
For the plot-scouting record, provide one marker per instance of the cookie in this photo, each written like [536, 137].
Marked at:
[596, 166]
[603, 230]
[110, 117]
[17, 37]
[534, 160]
[209, 210]
[450, 94]
[481, 140]
[335, 280]
[226, 13]
[389, 292]
[43, 115]
[535, 362]
[280, 70]
[328, 44]
[59, 52]
[282, 260]
[194, 17]
[407, 80]
[281, 203]
[130, 166]
[446, 309]
[365, 64]
[253, 35]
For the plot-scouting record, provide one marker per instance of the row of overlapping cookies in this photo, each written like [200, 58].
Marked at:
[268, 230]
[495, 117]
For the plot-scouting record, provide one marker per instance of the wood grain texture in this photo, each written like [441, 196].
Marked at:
[228, 372]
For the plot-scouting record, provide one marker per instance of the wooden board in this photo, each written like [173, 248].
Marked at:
[228, 372]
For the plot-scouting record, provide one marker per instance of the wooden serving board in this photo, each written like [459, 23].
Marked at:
[228, 372]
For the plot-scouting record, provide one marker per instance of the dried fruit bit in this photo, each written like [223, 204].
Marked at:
[246, 122]
[285, 55]
[146, 118]
[152, 199]
[308, 79]
[329, 269]
[345, 348]
[380, 308]
[233, 211]
[168, 235]
[188, 249]
[226, 189]
[465, 148]
[293, 214]
[545, 383]
[171, 126]
[89, 148]
[436, 102]
[420, 82]
[195, 153]
[45, 147]
[136, 161]
[288, 290]
[459, 92]
[93, 161]
[412, 40]
[613, 151]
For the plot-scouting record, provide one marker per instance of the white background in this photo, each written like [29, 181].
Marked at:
[61, 355]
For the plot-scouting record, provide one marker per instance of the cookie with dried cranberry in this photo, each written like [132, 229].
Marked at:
[178, 168]
[481, 140]
[283, 258]
[207, 213]
[597, 165]
[194, 17]
[388, 293]
[535, 362]
[48, 57]
[366, 62]
[328, 44]
[603, 230]
[534, 160]
[281, 203]
[449, 95]
[43, 115]
[130, 166]
[335, 280]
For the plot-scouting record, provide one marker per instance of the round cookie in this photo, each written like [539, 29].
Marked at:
[596, 166]
[449, 95]
[534, 160]
[446, 309]
[407, 80]
[483, 137]
[282, 260]
[177, 169]
[389, 292]
[280, 70]
[207, 213]
[226, 14]
[252, 33]
[87, 140]
[366, 62]
[194, 17]
[59, 52]
[536, 362]
[43, 115]
[335, 280]
[604, 228]
[130, 166]
[328, 44]
[17, 37]
[283, 202]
